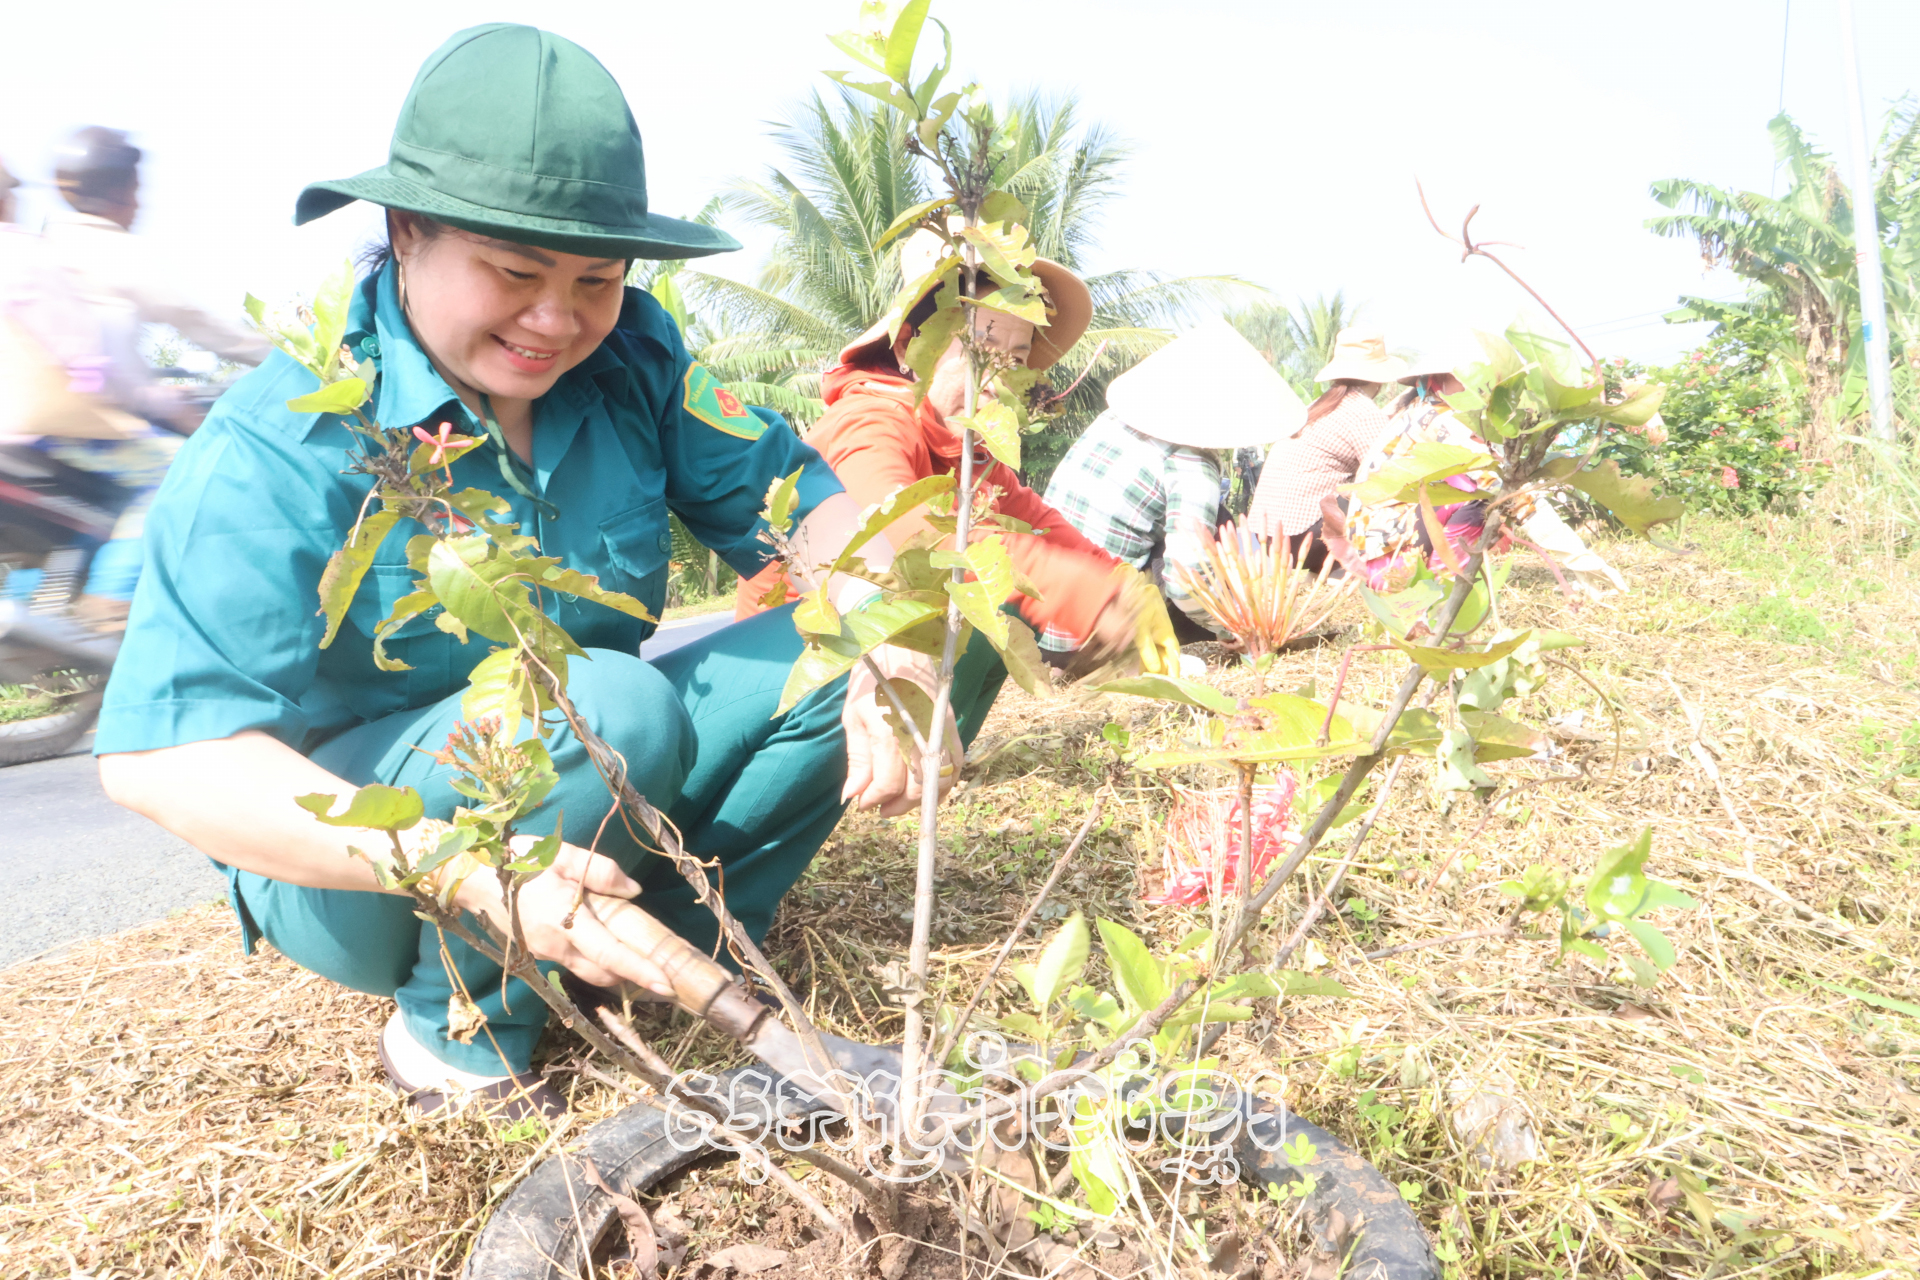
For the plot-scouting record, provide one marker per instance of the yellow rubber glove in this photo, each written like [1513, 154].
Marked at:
[1152, 629]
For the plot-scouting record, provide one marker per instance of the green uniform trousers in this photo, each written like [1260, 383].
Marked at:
[757, 792]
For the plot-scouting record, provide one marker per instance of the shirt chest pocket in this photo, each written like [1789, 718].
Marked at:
[638, 544]
[437, 660]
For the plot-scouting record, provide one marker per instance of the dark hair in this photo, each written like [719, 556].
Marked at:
[378, 254]
[1329, 400]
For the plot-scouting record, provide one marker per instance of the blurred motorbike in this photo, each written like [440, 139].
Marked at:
[53, 517]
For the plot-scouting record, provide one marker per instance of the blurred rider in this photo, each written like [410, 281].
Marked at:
[124, 280]
[124, 285]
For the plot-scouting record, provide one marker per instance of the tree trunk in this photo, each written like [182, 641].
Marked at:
[1825, 341]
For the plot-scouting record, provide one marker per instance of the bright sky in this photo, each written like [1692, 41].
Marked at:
[1278, 141]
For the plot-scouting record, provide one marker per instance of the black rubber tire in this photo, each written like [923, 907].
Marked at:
[23, 741]
[1353, 1212]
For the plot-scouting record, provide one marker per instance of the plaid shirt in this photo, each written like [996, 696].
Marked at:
[1312, 465]
[1138, 499]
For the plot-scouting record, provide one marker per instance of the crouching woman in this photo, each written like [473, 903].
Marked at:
[512, 217]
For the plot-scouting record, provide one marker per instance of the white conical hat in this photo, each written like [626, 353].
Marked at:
[1209, 389]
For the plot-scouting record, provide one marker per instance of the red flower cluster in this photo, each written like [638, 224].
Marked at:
[1203, 840]
[1729, 478]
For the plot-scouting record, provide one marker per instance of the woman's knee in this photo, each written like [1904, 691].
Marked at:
[637, 712]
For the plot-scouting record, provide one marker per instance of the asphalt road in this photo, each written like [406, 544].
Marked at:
[92, 868]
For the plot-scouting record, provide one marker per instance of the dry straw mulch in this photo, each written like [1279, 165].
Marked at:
[167, 1108]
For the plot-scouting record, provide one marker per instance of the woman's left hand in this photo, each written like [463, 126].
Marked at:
[878, 771]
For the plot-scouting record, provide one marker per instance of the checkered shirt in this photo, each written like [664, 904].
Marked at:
[1313, 465]
[1137, 498]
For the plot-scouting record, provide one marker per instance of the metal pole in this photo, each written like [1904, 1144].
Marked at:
[1866, 238]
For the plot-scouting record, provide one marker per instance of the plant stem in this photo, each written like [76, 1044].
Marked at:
[959, 1027]
[1356, 773]
[1325, 899]
[913, 1047]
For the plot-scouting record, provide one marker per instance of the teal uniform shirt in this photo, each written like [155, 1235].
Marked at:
[224, 632]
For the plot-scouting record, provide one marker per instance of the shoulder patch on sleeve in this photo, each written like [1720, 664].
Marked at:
[718, 407]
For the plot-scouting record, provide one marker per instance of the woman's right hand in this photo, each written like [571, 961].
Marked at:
[586, 948]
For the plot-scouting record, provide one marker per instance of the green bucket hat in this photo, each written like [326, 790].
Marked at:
[514, 132]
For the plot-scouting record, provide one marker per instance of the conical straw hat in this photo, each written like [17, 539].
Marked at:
[1361, 355]
[1209, 389]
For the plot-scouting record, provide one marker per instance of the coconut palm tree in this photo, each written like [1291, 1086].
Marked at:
[847, 176]
[1298, 341]
[1798, 252]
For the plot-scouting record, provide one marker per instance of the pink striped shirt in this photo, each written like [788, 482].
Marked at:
[1313, 464]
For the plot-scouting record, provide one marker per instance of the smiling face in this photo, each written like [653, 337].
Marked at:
[507, 319]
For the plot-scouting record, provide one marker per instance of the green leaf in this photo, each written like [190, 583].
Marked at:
[999, 206]
[1295, 983]
[1400, 611]
[1005, 251]
[1242, 986]
[900, 503]
[1636, 410]
[782, 496]
[1015, 300]
[902, 40]
[381, 807]
[1661, 894]
[997, 427]
[912, 217]
[1619, 889]
[478, 588]
[1498, 738]
[827, 657]
[668, 295]
[554, 576]
[1654, 943]
[1457, 770]
[331, 303]
[981, 598]
[935, 334]
[1437, 661]
[1021, 655]
[1873, 998]
[404, 611]
[918, 705]
[1061, 961]
[864, 47]
[498, 687]
[1191, 693]
[939, 111]
[340, 397]
[1241, 747]
[1630, 498]
[340, 581]
[1427, 463]
[1293, 719]
[1417, 731]
[815, 613]
[885, 90]
[1142, 982]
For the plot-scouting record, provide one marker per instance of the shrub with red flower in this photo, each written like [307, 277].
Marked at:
[1203, 840]
[1729, 478]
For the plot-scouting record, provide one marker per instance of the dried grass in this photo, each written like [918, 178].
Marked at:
[170, 1109]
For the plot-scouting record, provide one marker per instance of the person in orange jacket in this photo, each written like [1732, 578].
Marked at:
[878, 438]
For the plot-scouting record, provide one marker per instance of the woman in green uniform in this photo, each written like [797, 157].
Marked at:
[517, 197]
